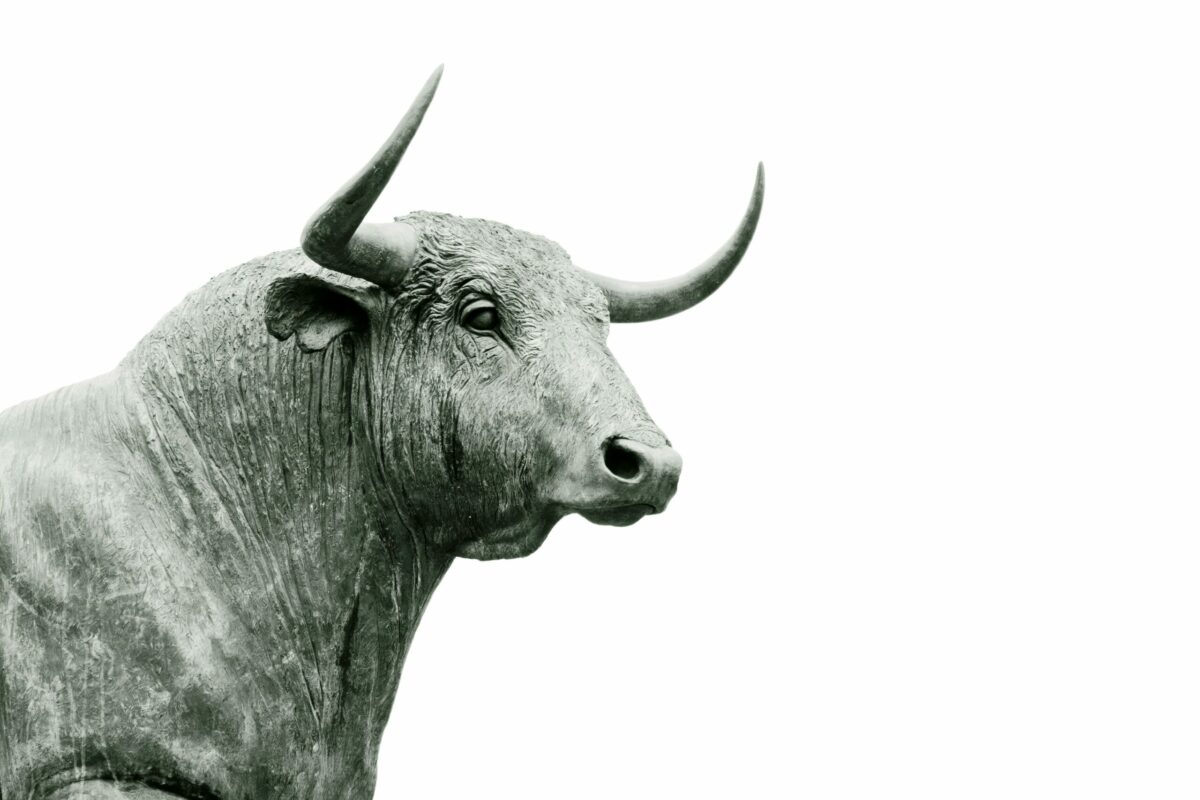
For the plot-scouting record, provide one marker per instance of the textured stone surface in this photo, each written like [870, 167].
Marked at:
[213, 558]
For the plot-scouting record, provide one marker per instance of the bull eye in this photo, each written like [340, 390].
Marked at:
[481, 316]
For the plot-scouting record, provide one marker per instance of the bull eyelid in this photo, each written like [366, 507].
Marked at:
[473, 305]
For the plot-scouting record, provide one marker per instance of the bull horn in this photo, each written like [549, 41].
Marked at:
[336, 237]
[634, 301]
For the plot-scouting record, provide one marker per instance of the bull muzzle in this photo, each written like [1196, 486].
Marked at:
[635, 479]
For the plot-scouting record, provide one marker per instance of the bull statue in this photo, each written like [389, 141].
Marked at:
[213, 559]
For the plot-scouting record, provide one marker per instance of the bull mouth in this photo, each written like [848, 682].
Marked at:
[619, 516]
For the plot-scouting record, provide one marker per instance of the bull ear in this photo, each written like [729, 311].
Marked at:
[316, 311]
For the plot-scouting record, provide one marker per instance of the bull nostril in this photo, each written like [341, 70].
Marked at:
[624, 463]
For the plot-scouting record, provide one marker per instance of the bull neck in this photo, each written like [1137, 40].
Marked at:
[256, 446]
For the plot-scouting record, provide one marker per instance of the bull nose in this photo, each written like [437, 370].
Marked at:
[645, 473]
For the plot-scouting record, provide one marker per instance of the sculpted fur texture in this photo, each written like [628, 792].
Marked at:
[213, 558]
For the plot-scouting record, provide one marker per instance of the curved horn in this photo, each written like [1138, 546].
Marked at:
[633, 301]
[336, 237]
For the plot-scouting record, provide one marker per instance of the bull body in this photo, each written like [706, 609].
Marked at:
[213, 559]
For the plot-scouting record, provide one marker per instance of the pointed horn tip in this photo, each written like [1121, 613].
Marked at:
[435, 78]
[756, 196]
[425, 97]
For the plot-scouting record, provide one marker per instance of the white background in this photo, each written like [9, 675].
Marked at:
[937, 533]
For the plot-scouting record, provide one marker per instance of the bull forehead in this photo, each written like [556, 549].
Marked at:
[518, 266]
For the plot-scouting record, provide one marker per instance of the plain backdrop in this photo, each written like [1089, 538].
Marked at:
[937, 534]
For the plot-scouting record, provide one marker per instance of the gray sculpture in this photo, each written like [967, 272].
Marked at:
[213, 558]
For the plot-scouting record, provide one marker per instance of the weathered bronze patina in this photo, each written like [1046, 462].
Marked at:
[213, 558]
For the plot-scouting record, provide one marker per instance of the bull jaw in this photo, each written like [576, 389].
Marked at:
[516, 541]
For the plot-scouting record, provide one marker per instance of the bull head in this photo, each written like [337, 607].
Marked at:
[494, 405]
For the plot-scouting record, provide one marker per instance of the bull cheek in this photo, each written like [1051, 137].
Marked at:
[494, 475]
